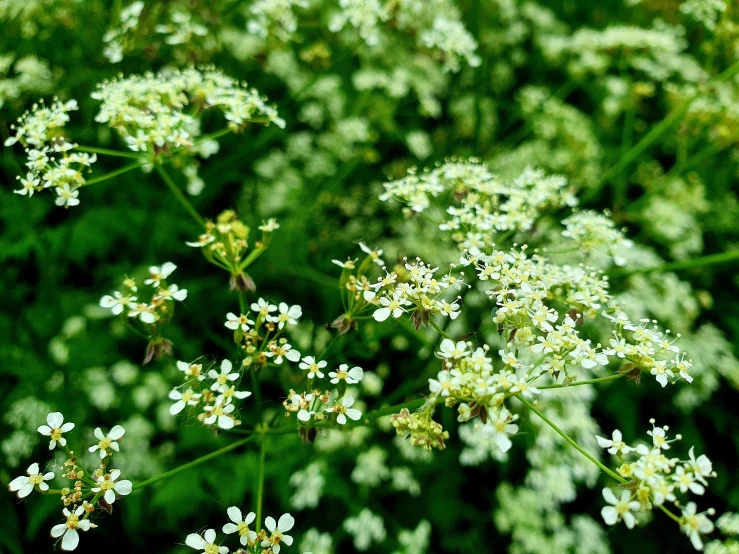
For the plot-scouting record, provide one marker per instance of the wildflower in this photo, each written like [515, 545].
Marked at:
[222, 378]
[206, 543]
[159, 274]
[351, 376]
[314, 368]
[693, 525]
[620, 508]
[242, 321]
[55, 428]
[342, 408]
[288, 315]
[108, 485]
[263, 308]
[444, 383]
[220, 412]
[108, 441]
[117, 303]
[67, 196]
[277, 532]
[374, 254]
[171, 292]
[499, 427]
[182, 399]
[616, 445]
[24, 485]
[240, 525]
[452, 351]
[390, 307]
[69, 528]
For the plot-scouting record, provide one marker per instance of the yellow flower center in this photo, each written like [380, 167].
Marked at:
[56, 434]
[222, 379]
[36, 479]
[243, 529]
[72, 521]
[211, 549]
[107, 484]
[105, 443]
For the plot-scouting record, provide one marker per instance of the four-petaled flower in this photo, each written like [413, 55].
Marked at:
[314, 367]
[288, 314]
[278, 530]
[69, 528]
[620, 508]
[205, 543]
[222, 378]
[108, 485]
[158, 274]
[235, 322]
[342, 408]
[616, 445]
[351, 376]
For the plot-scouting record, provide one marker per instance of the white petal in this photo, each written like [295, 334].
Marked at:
[109, 496]
[270, 522]
[210, 536]
[55, 419]
[195, 541]
[58, 530]
[610, 516]
[116, 432]
[71, 540]
[230, 528]
[234, 514]
[286, 523]
[124, 487]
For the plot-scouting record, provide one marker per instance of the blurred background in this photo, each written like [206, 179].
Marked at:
[369, 90]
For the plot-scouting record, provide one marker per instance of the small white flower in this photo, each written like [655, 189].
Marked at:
[616, 445]
[235, 322]
[694, 525]
[278, 530]
[620, 508]
[702, 467]
[191, 370]
[351, 376]
[450, 350]
[117, 303]
[221, 379]
[240, 525]
[374, 254]
[182, 399]
[278, 351]
[288, 315]
[390, 307]
[443, 384]
[28, 185]
[348, 264]
[108, 485]
[342, 408]
[108, 441]
[263, 308]
[313, 367]
[172, 292]
[69, 528]
[24, 485]
[67, 196]
[144, 312]
[220, 412]
[269, 226]
[158, 274]
[499, 427]
[55, 428]
[205, 543]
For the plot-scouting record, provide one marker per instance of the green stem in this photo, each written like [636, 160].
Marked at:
[703, 261]
[570, 441]
[586, 382]
[260, 483]
[108, 152]
[672, 516]
[439, 329]
[192, 463]
[179, 195]
[112, 174]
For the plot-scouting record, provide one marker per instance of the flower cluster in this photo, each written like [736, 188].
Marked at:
[254, 541]
[213, 391]
[52, 161]
[595, 232]
[89, 492]
[420, 429]
[225, 243]
[653, 479]
[160, 113]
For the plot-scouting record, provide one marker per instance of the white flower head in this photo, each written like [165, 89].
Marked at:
[205, 543]
[24, 485]
[240, 525]
[287, 315]
[55, 428]
[69, 528]
[615, 445]
[621, 508]
[277, 532]
[694, 524]
[109, 486]
[182, 399]
[343, 410]
[351, 376]
[313, 367]
[220, 413]
[108, 441]
[158, 274]
[222, 379]
[450, 350]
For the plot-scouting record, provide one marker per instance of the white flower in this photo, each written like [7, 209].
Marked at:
[159, 274]
[374, 254]
[314, 368]
[109, 487]
[694, 525]
[352, 376]
[55, 428]
[205, 543]
[702, 467]
[278, 531]
[620, 508]
[616, 445]
[172, 292]
[182, 399]
[341, 407]
[221, 379]
[69, 528]
[24, 485]
[452, 351]
[263, 308]
[107, 441]
[144, 312]
[191, 370]
[349, 264]
[277, 351]
[444, 383]
[220, 412]
[29, 185]
[139, 143]
[240, 525]
[116, 303]
[287, 314]
[269, 226]
[499, 427]
[392, 307]
[234, 322]
[67, 196]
